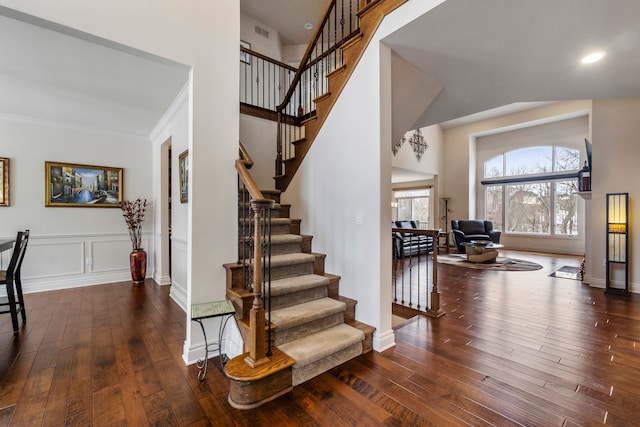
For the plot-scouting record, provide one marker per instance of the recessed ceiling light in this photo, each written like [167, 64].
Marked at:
[308, 26]
[593, 57]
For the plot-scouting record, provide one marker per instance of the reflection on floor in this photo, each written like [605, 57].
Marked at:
[567, 272]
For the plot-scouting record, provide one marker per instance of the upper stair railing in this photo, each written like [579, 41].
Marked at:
[255, 234]
[264, 82]
[339, 23]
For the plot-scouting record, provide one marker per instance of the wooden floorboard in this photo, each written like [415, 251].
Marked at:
[514, 349]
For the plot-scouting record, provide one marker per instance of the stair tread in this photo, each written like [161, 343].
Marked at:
[297, 283]
[299, 314]
[321, 344]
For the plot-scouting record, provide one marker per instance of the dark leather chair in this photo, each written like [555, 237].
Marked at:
[466, 230]
[409, 244]
[12, 280]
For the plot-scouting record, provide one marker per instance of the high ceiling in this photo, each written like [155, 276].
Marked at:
[486, 54]
[493, 57]
[491, 53]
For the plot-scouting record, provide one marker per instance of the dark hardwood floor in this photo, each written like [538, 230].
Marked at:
[515, 348]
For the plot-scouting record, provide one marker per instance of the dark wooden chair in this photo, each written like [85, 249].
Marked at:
[12, 281]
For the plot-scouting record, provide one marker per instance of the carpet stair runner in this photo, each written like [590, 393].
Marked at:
[311, 322]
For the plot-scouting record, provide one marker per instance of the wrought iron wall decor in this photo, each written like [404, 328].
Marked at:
[418, 144]
[395, 147]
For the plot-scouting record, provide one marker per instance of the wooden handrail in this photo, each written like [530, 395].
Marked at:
[251, 186]
[257, 319]
[245, 157]
[307, 54]
[266, 58]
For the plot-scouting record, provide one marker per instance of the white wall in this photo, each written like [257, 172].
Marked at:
[459, 170]
[173, 130]
[259, 137]
[205, 36]
[412, 92]
[64, 240]
[615, 132]
[270, 46]
[405, 158]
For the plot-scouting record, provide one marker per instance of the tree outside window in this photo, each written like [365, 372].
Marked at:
[532, 190]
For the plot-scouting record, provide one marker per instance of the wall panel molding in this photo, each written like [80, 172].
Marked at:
[69, 261]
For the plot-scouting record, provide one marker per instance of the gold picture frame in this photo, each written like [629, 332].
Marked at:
[4, 181]
[77, 185]
[183, 166]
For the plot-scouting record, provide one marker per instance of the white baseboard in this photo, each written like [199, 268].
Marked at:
[384, 341]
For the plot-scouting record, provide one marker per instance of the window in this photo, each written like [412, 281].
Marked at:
[531, 190]
[414, 205]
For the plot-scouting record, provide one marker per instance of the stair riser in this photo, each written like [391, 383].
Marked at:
[268, 194]
[305, 373]
[292, 270]
[293, 298]
[275, 213]
[286, 248]
[302, 330]
[275, 228]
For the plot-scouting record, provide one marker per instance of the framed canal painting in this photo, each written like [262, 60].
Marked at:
[74, 185]
[4, 181]
[183, 163]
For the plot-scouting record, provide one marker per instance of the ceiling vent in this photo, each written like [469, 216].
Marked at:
[264, 33]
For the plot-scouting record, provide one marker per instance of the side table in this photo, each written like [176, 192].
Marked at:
[208, 310]
[443, 240]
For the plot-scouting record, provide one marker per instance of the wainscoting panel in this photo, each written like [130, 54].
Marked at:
[70, 261]
[179, 272]
[109, 255]
[56, 258]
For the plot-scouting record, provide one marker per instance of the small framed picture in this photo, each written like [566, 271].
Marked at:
[4, 181]
[74, 185]
[244, 56]
[183, 163]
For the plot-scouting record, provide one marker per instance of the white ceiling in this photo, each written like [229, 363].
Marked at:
[497, 56]
[490, 53]
[54, 74]
[486, 54]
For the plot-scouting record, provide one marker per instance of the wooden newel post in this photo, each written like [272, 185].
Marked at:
[279, 145]
[257, 320]
[435, 310]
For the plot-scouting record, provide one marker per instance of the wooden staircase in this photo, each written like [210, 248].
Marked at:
[371, 15]
[313, 327]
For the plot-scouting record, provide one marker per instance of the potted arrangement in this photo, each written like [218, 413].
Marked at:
[133, 213]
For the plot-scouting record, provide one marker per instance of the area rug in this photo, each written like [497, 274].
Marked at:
[501, 264]
[567, 272]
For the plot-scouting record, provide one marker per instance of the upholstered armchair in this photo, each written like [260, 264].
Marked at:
[466, 230]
